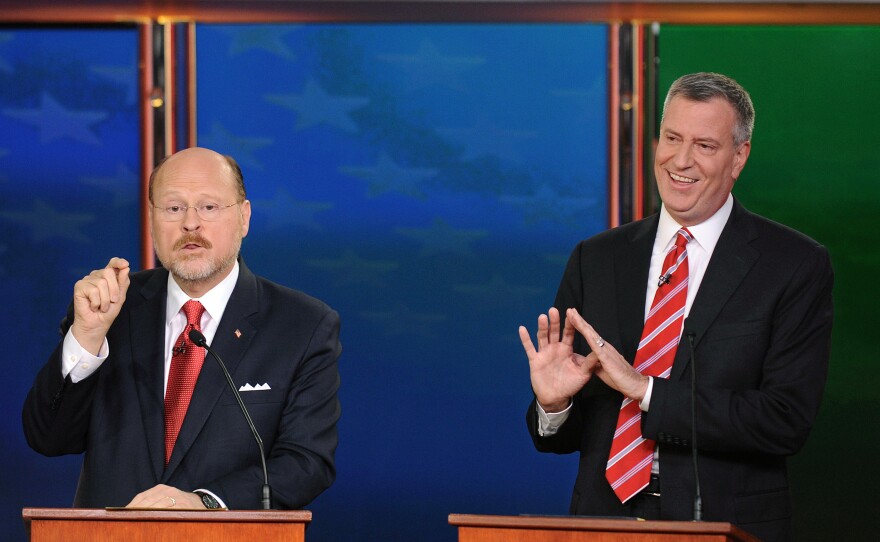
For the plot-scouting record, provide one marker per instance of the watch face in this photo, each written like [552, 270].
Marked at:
[209, 501]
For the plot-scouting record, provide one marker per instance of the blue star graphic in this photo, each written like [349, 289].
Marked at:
[55, 122]
[350, 268]
[486, 138]
[548, 204]
[496, 291]
[388, 176]
[261, 37]
[284, 210]
[404, 321]
[46, 223]
[442, 238]
[123, 186]
[315, 107]
[242, 148]
[429, 67]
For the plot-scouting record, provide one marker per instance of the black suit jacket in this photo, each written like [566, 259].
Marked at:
[761, 323]
[268, 334]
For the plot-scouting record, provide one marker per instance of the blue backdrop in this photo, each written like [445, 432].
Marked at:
[69, 163]
[427, 181]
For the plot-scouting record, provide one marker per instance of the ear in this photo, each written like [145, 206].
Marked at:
[740, 157]
[245, 217]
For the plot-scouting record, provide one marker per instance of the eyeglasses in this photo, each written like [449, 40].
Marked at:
[206, 211]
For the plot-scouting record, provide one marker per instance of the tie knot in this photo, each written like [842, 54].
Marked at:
[193, 311]
[683, 238]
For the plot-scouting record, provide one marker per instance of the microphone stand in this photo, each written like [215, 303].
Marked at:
[698, 500]
[199, 340]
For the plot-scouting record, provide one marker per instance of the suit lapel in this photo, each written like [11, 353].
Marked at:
[146, 321]
[231, 347]
[632, 262]
[731, 261]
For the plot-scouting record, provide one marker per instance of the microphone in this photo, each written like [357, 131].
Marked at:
[698, 500]
[196, 337]
[664, 279]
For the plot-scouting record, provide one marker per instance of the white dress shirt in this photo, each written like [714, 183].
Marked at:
[699, 251]
[80, 364]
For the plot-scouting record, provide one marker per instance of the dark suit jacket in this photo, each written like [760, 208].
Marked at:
[287, 340]
[762, 328]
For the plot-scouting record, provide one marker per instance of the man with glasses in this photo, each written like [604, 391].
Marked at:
[156, 420]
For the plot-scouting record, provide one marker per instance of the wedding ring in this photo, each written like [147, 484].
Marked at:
[173, 500]
[601, 342]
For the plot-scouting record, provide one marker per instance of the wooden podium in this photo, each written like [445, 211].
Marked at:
[96, 525]
[473, 528]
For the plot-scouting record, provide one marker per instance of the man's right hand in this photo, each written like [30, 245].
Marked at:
[97, 300]
[557, 373]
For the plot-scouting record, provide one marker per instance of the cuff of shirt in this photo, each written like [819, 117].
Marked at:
[77, 361]
[645, 403]
[549, 423]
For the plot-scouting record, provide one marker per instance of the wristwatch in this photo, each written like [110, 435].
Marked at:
[208, 500]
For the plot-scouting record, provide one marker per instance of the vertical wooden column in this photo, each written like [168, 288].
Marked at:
[167, 91]
[630, 95]
[150, 99]
[652, 106]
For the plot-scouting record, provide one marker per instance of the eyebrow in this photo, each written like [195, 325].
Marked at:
[670, 131]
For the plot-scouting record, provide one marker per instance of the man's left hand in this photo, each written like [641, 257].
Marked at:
[613, 369]
[162, 496]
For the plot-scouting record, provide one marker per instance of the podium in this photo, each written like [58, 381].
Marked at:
[476, 528]
[98, 525]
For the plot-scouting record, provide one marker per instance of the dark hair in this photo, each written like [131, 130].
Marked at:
[704, 86]
[237, 177]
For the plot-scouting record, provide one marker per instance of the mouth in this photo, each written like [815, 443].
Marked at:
[681, 178]
[191, 243]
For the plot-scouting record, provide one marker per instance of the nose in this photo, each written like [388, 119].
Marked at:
[191, 220]
[683, 156]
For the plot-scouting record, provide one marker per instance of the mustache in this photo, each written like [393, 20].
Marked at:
[192, 238]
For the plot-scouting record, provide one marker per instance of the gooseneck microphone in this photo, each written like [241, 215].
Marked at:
[698, 500]
[199, 340]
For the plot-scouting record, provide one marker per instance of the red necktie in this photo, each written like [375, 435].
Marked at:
[629, 462]
[186, 362]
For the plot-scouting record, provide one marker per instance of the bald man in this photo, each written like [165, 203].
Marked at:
[156, 421]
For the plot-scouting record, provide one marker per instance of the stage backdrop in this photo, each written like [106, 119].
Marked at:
[69, 178]
[427, 181]
[814, 166]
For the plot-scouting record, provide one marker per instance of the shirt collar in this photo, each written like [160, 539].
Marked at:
[214, 301]
[706, 234]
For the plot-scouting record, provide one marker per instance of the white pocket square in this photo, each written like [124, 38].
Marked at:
[258, 387]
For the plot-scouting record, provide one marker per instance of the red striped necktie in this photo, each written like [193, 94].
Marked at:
[629, 462]
[186, 363]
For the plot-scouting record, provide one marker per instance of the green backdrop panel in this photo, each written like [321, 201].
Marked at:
[815, 166]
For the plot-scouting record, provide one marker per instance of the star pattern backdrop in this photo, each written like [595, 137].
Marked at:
[427, 181]
[69, 157]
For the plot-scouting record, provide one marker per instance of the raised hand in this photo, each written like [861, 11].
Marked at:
[613, 369]
[97, 300]
[557, 373]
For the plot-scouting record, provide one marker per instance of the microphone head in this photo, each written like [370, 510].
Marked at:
[197, 338]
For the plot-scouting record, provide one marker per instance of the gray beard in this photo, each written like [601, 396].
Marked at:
[207, 270]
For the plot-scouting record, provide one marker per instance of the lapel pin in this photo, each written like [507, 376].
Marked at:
[237, 334]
